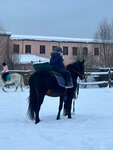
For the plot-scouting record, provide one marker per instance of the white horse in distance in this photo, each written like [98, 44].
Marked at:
[16, 79]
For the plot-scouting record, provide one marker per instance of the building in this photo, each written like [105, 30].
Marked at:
[73, 48]
[95, 53]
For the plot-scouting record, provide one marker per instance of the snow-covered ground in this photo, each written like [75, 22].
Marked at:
[91, 127]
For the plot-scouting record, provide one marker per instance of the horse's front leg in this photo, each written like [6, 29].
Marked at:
[74, 106]
[4, 90]
[69, 109]
[37, 119]
[16, 89]
[16, 85]
[3, 87]
[60, 108]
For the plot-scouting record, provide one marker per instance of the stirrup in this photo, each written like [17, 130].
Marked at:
[70, 86]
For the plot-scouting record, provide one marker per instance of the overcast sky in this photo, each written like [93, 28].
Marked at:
[62, 18]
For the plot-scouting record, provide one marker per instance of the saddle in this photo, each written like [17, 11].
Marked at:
[46, 67]
[8, 77]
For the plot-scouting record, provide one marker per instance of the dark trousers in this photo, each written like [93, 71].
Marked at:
[67, 76]
[4, 76]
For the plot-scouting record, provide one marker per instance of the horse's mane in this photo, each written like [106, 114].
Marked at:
[74, 65]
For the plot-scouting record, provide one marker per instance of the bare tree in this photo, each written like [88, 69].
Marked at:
[14, 60]
[6, 55]
[88, 57]
[104, 38]
[2, 30]
[3, 46]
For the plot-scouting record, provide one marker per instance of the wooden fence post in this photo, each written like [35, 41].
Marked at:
[109, 78]
[86, 76]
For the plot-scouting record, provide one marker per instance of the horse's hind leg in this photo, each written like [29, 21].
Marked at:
[39, 101]
[4, 90]
[60, 108]
[21, 88]
[16, 88]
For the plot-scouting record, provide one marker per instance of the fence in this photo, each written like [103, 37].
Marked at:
[101, 79]
[25, 73]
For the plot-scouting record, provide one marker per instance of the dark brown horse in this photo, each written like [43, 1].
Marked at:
[44, 83]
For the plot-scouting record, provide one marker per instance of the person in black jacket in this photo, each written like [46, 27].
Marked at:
[57, 65]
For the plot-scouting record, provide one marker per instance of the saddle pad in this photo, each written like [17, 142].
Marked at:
[8, 77]
[60, 80]
[42, 66]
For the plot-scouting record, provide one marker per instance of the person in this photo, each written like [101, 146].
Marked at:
[5, 71]
[57, 65]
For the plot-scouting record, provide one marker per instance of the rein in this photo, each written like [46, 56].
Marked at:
[76, 72]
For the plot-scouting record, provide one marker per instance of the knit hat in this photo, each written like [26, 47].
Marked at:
[58, 49]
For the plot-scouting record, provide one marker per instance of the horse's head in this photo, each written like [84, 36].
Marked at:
[77, 69]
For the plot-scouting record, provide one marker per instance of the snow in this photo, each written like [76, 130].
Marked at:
[91, 83]
[91, 127]
[49, 38]
[5, 33]
[27, 58]
[97, 73]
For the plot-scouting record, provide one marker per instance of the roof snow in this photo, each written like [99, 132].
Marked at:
[49, 38]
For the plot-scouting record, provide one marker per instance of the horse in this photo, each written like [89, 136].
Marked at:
[44, 83]
[16, 79]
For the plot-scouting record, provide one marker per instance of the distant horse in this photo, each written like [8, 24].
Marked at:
[44, 83]
[16, 79]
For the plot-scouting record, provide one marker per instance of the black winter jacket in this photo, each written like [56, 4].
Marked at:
[56, 63]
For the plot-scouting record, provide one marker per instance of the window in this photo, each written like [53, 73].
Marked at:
[96, 51]
[65, 50]
[54, 47]
[85, 51]
[75, 51]
[42, 49]
[27, 48]
[16, 48]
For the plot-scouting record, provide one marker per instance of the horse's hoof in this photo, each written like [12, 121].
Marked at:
[65, 114]
[57, 118]
[37, 121]
[4, 91]
[69, 117]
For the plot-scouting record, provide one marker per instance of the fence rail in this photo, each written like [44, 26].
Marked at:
[25, 73]
[102, 83]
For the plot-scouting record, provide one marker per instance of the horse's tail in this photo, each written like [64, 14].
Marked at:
[31, 100]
